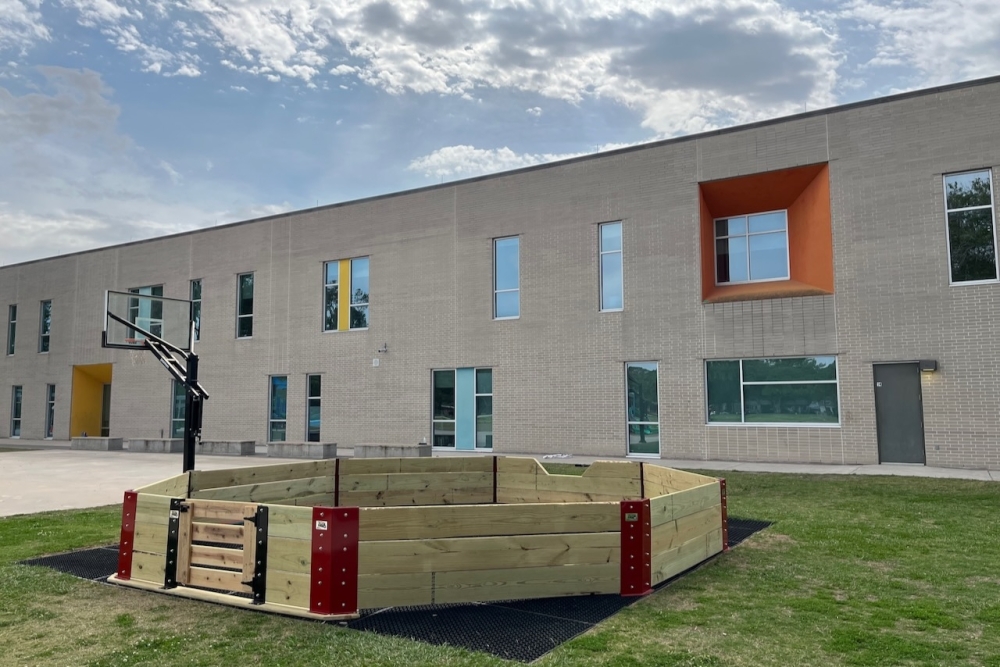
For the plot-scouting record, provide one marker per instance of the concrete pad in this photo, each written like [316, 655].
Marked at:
[391, 451]
[43, 480]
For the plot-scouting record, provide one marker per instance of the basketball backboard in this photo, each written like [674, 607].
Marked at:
[168, 319]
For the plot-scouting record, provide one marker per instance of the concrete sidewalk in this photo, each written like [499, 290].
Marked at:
[46, 475]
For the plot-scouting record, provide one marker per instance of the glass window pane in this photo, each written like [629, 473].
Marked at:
[330, 308]
[963, 190]
[723, 391]
[767, 222]
[277, 433]
[970, 238]
[444, 395]
[769, 256]
[279, 397]
[359, 280]
[315, 385]
[611, 237]
[506, 266]
[643, 439]
[642, 394]
[359, 317]
[444, 434]
[484, 381]
[46, 317]
[793, 403]
[484, 432]
[332, 273]
[730, 227]
[246, 294]
[196, 315]
[799, 369]
[731, 260]
[484, 406]
[245, 327]
[508, 304]
[611, 281]
[312, 434]
[195, 290]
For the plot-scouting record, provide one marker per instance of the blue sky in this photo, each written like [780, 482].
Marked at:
[122, 120]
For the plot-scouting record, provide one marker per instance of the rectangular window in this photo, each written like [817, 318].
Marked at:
[751, 248]
[106, 411]
[145, 313]
[484, 408]
[612, 292]
[444, 409]
[11, 328]
[800, 390]
[642, 400]
[196, 307]
[359, 293]
[50, 410]
[314, 389]
[331, 293]
[15, 412]
[506, 278]
[178, 408]
[279, 409]
[244, 306]
[45, 326]
[972, 240]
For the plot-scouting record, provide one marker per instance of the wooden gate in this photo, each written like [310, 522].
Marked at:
[216, 545]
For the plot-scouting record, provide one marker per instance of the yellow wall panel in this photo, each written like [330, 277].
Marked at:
[344, 298]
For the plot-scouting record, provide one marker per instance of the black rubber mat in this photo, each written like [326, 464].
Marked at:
[522, 630]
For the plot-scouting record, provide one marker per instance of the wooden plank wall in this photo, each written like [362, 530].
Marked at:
[687, 529]
[416, 481]
[175, 487]
[659, 481]
[255, 475]
[524, 480]
[149, 544]
[289, 555]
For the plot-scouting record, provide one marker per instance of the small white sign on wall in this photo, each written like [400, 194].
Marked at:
[375, 363]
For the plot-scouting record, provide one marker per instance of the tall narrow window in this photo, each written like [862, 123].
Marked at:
[331, 293]
[178, 409]
[484, 408]
[359, 293]
[45, 326]
[244, 312]
[106, 411]
[751, 248]
[506, 278]
[612, 297]
[443, 412]
[314, 390]
[146, 314]
[196, 307]
[50, 410]
[643, 408]
[972, 237]
[279, 409]
[796, 390]
[11, 328]
[15, 412]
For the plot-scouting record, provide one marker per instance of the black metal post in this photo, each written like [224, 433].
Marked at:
[192, 412]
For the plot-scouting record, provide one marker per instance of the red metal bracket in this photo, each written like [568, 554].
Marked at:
[636, 541]
[725, 516]
[334, 582]
[127, 536]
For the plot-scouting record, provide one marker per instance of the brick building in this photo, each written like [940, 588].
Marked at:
[817, 288]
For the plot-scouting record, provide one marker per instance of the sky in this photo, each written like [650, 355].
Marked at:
[123, 120]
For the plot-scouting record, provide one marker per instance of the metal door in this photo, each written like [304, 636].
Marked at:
[899, 413]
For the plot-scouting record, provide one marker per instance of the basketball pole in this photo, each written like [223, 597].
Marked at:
[192, 412]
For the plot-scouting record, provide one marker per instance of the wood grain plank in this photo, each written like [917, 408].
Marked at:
[392, 590]
[221, 580]
[174, 487]
[520, 583]
[217, 532]
[218, 557]
[289, 522]
[672, 534]
[270, 491]
[289, 555]
[681, 503]
[213, 479]
[288, 588]
[148, 567]
[150, 537]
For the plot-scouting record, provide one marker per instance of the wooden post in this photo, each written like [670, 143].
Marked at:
[125, 543]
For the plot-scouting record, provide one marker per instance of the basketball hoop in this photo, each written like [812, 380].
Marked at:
[137, 356]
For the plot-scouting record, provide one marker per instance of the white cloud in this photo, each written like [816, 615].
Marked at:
[21, 24]
[239, 89]
[171, 172]
[451, 162]
[535, 111]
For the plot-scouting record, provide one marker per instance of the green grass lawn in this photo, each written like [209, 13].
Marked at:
[856, 571]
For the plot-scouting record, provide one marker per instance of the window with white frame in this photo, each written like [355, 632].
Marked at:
[146, 314]
[178, 409]
[244, 305]
[972, 240]
[11, 328]
[314, 390]
[15, 411]
[359, 293]
[751, 248]
[44, 326]
[795, 390]
[506, 278]
[443, 410]
[612, 294]
[642, 403]
[196, 307]
[331, 295]
[50, 410]
[278, 415]
[484, 408]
